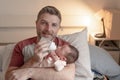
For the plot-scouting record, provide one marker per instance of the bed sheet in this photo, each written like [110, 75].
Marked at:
[96, 53]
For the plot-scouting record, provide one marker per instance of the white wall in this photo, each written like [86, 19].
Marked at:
[98, 4]
[22, 13]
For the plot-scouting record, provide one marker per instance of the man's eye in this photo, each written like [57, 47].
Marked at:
[43, 23]
[54, 25]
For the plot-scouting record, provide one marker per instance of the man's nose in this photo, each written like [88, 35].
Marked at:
[48, 27]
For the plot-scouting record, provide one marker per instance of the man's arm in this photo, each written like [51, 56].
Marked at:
[51, 74]
[41, 73]
[31, 68]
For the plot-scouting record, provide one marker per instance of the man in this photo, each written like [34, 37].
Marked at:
[25, 59]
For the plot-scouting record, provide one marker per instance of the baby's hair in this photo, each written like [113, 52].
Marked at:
[73, 55]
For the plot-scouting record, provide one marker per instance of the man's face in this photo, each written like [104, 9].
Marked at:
[47, 25]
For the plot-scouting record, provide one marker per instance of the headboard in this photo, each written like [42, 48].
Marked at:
[15, 34]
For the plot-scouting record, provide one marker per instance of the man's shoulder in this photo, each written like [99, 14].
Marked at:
[27, 41]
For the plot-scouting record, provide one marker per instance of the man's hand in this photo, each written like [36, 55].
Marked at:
[19, 74]
[41, 50]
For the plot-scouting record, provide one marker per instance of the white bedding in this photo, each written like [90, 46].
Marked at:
[6, 50]
[96, 54]
[102, 62]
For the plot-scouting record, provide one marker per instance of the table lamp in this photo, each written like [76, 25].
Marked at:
[101, 35]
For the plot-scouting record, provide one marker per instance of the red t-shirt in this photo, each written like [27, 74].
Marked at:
[24, 50]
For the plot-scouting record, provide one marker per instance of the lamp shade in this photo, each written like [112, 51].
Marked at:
[112, 23]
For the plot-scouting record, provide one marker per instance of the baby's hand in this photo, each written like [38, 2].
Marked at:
[54, 56]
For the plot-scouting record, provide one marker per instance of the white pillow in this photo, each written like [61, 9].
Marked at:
[6, 56]
[102, 62]
[1, 54]
[83, 66]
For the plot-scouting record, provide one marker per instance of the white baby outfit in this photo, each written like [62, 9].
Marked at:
[58, 65]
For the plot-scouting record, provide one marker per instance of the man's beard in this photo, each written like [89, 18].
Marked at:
[50, 35]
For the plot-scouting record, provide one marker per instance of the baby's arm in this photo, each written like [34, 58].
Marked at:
[59, 65]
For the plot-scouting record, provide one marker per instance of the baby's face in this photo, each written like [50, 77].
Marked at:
[62, 51]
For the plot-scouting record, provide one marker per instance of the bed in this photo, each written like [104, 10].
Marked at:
[91, 58]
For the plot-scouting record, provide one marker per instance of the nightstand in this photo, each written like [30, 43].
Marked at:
[108, 44]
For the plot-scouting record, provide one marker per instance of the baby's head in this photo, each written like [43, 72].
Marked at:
[73, 55]
[68, 53]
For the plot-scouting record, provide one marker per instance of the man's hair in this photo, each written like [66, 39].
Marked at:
[51, 10]
[73, 55]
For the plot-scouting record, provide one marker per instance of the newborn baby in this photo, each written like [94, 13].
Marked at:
[58, 64]
[59, 56]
